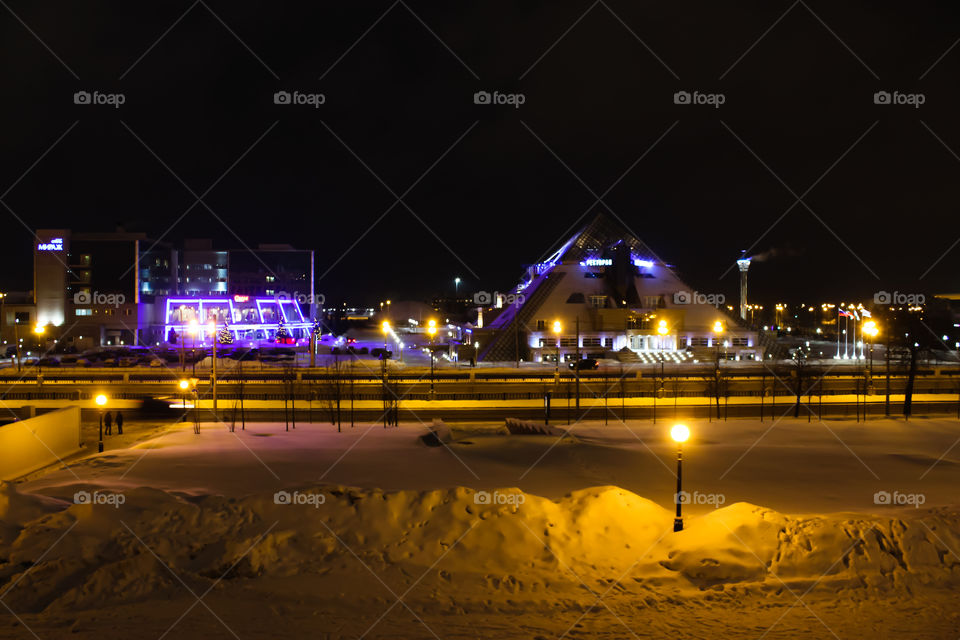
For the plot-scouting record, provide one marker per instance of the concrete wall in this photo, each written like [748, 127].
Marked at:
[28, 445]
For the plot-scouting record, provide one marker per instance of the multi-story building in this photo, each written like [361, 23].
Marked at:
[124, 288]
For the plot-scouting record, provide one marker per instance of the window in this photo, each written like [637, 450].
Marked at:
[576, 298]
[699, 342]
[541, 325]
[591, 342]
[270, 279]
[83, 312]
[652, 302]
[608, 343]
[568, 342]
[740, 342]
[598, 302]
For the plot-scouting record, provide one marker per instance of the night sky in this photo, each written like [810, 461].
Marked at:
[487, 189]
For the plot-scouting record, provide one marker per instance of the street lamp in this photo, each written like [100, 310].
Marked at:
[557, 328]
[662, 329]
[212, 328]
[184, 386]
[456, 286]
[432, 330]
[101, 401]
[871, 330]
[192, 329]
[385, 327]
[680, 433]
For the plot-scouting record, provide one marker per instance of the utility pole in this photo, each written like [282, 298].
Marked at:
[576, 368]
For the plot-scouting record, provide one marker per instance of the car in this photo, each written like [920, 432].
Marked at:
[381, 353]
[48, 362]
[585, 363]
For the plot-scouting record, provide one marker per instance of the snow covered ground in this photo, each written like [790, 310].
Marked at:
[837, 529]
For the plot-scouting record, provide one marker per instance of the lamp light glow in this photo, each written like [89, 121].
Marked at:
[100, 400]
[680, 433]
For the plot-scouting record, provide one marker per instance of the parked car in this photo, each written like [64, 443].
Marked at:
[48, 362]
[381, 353]
[586, 363]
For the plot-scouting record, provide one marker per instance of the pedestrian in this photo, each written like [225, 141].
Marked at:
[119, 421]
[108, 423]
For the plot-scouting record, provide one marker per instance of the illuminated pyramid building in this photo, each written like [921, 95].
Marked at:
[630, 306]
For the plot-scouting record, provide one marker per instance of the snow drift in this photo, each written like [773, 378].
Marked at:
[65, 555]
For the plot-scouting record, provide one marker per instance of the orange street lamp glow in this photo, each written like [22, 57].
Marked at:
[100, 400]
[680, 433]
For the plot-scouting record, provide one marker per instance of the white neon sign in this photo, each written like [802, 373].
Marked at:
[55, 244]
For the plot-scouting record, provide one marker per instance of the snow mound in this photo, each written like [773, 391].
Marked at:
[84, 555]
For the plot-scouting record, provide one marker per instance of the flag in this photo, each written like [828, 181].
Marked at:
[865, 313]
[844, 313]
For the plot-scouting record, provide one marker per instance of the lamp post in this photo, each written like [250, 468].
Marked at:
[871, 330]
[456, 286]
[662, 330]
[385, 327]
[212, 328]
[432, 331]
[16, 341]
[679, 433]
[101, 401]
[184, 386]
[38, 331]
[557, 328]
[192, 329]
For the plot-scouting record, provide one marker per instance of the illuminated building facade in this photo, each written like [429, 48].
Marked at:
[117, 288]
[629, 305]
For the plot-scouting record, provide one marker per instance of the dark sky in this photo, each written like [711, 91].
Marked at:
[495, 187]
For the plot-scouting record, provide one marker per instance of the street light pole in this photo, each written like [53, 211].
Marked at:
[213, 373]
[432, 330]
[679, 433]
[101, 400]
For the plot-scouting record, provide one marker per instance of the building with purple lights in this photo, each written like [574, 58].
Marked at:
[121, 288]
[605, 294]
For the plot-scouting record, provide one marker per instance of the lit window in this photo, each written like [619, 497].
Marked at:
[83, 312]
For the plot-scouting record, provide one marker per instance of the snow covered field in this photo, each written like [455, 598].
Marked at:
[793, 529]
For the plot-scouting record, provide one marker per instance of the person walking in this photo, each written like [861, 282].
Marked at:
[119, 421]
[108, 423]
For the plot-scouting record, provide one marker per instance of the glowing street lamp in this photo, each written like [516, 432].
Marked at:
[557, 329]
[432, 331]
[39, 329]
[680, 433]
[871, 330]
[385, 327]
[456, 286]
[101, 401]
